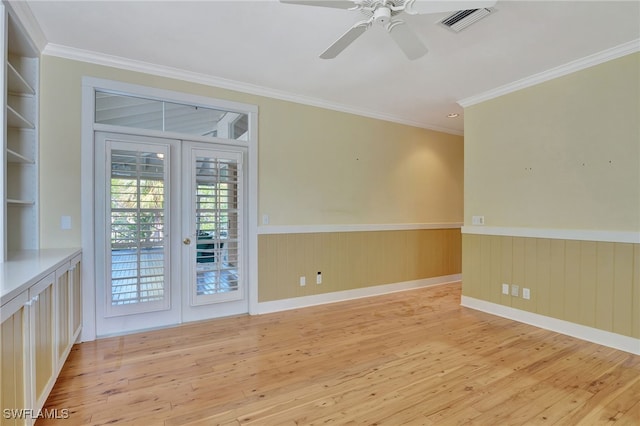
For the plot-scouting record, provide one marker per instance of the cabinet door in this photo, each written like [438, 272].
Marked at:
[62, 313]
[13, 361]
[42, 323]
[76, 297]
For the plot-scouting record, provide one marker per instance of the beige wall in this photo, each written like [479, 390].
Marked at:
[564, 154]
[561, 155]
[316, 166]
[352, 260]
[596, 284]
[325, 167]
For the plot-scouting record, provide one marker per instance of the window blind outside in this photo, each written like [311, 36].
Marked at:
[137, 217]
[217, 212]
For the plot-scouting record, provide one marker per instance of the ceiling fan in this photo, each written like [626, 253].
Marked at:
[384, 13]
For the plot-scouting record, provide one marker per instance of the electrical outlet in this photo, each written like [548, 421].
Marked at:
[505, 289]
[303, 281]
[319, 278]
[515, 290]
[526, 293]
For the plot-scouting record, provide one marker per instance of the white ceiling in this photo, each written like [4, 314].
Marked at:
[273, 48]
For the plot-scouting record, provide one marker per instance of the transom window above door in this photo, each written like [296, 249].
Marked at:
[152, 114]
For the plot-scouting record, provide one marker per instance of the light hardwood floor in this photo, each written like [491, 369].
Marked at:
[414, 357]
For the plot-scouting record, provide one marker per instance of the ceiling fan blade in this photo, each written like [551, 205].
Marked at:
[345, 40]
[337, 4]
[407, 40]
[424, 7]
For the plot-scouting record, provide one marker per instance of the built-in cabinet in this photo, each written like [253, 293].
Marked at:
[41, 343]
[40, 290]
[40, 322]
[19, 137]
[14, 338]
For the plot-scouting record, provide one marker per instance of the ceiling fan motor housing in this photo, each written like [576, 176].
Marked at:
[382, 15]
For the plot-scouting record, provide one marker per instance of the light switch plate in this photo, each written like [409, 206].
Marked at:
[477, 220]
[65, 222]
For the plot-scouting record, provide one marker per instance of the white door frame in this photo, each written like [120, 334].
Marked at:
[89, 87]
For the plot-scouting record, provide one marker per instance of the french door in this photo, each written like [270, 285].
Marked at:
[213, 237]
[170, 241]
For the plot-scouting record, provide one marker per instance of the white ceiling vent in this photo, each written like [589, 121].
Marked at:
[461, 19]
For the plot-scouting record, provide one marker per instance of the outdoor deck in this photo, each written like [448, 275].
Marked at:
[138, 279]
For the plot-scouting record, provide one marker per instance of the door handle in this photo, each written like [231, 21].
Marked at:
[186, 241]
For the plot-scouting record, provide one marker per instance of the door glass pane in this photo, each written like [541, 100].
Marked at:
[152, 114]
[217, 226]
[137, 213]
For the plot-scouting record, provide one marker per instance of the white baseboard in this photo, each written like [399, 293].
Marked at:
[590, 334]
[340, 296]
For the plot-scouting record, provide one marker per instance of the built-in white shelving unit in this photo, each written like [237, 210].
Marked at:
[19, 138]
[40, 290]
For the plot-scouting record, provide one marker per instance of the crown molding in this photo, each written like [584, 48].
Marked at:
[21, 11]
[568, 68]
[223, 83]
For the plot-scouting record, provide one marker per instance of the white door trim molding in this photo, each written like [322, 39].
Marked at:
[89, 87]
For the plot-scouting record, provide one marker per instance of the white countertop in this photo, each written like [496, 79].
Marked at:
[25, 268]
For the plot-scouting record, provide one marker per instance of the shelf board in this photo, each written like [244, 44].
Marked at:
[20, 44]
[15, 119]
[24, 203]
[16, 83]
[15, 157]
